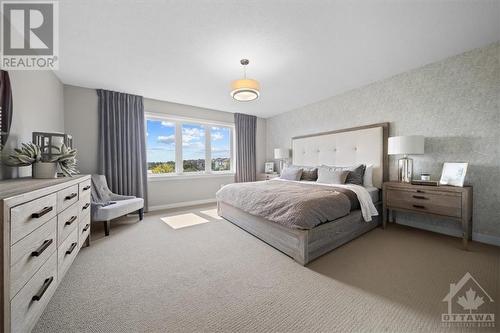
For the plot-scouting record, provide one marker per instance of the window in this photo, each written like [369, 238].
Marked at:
[160, 143]
[193, 148]
[221, 148]
[177, 146]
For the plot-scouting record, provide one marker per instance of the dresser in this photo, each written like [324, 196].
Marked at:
[448, 202]
[45, 222]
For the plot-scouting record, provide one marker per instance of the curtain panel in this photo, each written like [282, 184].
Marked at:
[245, 126]
[122, 143]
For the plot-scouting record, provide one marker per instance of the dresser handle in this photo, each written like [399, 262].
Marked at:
[419, 197]
[41, 213]
[72, 247]
[42, 248]
[71, 196]
[86, 206]
[71, 220]
[420, 191]
[86, 228]
[42, 290]
[419, 206]
[86, 188]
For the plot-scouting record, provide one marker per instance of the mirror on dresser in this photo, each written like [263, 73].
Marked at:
[5, 107]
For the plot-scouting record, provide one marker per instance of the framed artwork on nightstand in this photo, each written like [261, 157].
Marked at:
[453, 174]
[269, 167]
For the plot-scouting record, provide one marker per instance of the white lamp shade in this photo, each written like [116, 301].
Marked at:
[281, 153]
[406, 145]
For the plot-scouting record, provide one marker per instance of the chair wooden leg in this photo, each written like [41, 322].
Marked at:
[141, 214]
[106, 227]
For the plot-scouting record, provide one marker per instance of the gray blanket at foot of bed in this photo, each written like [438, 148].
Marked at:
[291, 204]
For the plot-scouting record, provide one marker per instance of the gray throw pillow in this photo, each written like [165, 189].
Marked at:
[327, 175]
[291, 173]
[356, 175]
[308, 173]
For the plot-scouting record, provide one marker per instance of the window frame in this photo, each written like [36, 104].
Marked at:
[179, 163]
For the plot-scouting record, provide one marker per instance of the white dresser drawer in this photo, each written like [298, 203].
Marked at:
[27, 217]
[67, 197]
[84, 203]
[84, 187]
[67, 221]
[66, 253]
[83, 229]
[29, 254]
[31, 300]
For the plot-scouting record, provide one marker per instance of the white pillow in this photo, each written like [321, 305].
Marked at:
[368, 177]
[328, 175]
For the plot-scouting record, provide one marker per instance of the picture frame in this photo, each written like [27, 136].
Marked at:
[453, 174]
[269, 167]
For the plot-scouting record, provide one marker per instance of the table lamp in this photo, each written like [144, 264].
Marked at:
[406, 145]
[281, 154]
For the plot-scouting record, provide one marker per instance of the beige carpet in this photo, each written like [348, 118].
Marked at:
[214, 277]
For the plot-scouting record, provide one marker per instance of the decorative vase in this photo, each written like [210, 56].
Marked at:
[44, 170]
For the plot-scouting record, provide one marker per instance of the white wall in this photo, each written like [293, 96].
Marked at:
[37, 106]
[81, 121]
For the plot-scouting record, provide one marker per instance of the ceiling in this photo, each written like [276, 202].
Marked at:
[301, 51]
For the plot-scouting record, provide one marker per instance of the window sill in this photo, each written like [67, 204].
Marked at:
[184, 176]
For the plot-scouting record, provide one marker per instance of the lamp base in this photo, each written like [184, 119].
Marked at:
[281, 165]
[405, 170]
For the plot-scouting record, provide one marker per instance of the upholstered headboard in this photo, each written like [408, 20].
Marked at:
[360, 145]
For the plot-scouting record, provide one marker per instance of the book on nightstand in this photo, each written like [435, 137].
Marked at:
[425, 182]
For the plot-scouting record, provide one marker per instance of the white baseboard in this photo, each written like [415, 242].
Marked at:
[487, 239]
[182, 204]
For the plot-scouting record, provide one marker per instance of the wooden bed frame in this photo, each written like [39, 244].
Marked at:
[340, 147]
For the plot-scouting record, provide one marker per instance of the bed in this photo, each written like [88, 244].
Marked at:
[305, 241]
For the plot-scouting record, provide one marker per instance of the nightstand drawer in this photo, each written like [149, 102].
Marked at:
[446, 205]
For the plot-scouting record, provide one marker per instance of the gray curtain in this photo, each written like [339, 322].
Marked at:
[245, 147]
[122, 143]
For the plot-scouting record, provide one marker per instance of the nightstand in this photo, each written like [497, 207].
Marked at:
[267, 176]
[440, 201]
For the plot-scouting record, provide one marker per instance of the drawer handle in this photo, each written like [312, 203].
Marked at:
[71, 196]
[419, 197]
[41, 213]
[87, 226]
[86, 206]
[42, 248]
[71, 248]
[86, 188]
[419, 206]
[42, 290]
[71, 220]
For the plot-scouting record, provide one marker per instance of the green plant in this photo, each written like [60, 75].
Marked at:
[28, 154]
[67, 160]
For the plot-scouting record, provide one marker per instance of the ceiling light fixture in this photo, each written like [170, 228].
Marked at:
[245, 90]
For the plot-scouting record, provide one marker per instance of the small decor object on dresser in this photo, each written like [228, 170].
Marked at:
[269, 167]
[44, 167]
[453, 174]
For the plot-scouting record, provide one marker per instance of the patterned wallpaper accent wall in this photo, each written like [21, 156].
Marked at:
[454, 103]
